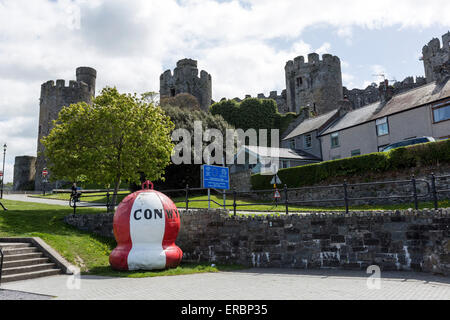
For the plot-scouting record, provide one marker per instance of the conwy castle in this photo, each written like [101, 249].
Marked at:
[314, 83]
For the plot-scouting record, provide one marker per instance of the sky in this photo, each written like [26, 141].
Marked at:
[243, 44]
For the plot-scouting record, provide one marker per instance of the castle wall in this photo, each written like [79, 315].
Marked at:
[280, 100]
[185, 79]
[53, 98]
[24, 173]
[363, 97]
[435, 56]
[317, 83]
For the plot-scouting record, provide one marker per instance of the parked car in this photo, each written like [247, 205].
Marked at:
[409, 142]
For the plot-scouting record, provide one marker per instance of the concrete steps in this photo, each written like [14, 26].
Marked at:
[23, 261]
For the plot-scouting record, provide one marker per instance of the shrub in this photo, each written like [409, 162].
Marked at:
[428, 154]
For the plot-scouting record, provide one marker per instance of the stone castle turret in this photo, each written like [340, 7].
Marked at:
[53, 98]
[316, 83]
[435, 57]
[24, 173]
[185, 79]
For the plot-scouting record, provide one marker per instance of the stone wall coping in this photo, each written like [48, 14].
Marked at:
[324, 215]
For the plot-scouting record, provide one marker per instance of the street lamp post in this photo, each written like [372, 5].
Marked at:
[3, 171]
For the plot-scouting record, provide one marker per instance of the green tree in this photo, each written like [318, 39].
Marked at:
[119, 137]
[177, 176]
[253, 113]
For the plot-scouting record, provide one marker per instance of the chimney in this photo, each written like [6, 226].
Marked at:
[386, 92]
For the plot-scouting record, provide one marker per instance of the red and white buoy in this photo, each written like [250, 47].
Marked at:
[146, 225]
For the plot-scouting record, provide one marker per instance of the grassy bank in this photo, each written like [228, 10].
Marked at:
[85, 250]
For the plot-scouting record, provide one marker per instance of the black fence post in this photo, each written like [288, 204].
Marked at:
[187, 197]
[345, 196]
[107, 201]
[234, 201]
[433, 188]
[416, 201]
[74, 199]
[286, 201]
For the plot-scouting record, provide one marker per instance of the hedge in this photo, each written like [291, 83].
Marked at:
[427, 154]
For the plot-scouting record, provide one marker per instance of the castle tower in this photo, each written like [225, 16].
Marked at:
[185, 79]
[53, 98]
[317, 83]
[24, 173]
[435, 56]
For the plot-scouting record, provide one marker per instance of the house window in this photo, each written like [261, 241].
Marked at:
[441, 113]
[172, 92]
[299, 81]
[335, 140]
[308, 141]
[292, 144]
[356, 153]
[382, 127]
[284, 164]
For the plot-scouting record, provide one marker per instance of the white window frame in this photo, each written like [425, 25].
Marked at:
[332, 136]
[382, 122]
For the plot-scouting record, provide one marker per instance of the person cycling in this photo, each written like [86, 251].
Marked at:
[75, 195]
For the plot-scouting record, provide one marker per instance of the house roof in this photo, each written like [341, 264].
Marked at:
[281, 153]
[411, 99]
[414, 98]
[353, 118]
[311, 124]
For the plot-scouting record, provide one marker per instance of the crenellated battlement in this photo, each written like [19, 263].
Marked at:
[51, 85]
[185, 78]
[314, 61]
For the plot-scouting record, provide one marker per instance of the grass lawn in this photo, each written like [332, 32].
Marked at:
[85, 250]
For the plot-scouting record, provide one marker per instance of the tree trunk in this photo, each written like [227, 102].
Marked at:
[112, 203]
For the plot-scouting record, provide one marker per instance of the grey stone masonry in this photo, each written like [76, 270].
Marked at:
[185, 79]
[316, 83]
[435, 56]
[406, 240]
[53, 98]
[24, 173]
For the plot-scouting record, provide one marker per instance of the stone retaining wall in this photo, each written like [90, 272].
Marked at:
[401, 240]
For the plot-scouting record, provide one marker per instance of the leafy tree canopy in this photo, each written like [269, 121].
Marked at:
[253, 113]
[117, 138]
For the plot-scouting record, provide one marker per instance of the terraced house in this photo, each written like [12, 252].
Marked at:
[420, 112]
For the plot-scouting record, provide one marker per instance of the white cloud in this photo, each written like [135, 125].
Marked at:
[131, 42]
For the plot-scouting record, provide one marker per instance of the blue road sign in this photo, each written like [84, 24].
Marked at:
[215, 177]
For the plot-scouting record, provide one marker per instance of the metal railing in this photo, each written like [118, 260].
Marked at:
[345, 201]
[76, 201]
[1, 205]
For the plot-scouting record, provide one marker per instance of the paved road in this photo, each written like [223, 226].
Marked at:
[26, 198]
[252, 284]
